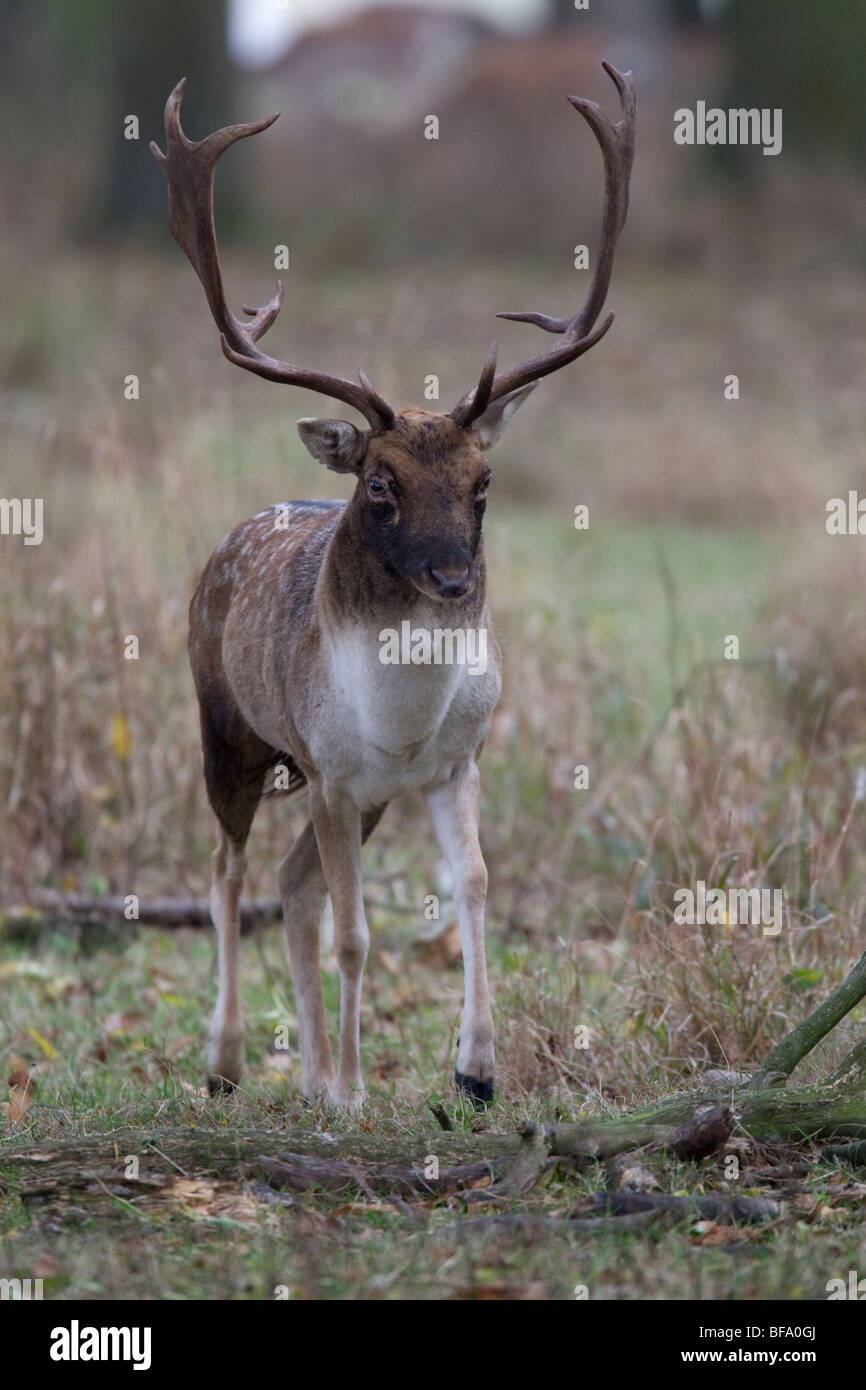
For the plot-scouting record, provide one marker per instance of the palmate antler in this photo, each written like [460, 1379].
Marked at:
[578, 333]
[189, 166]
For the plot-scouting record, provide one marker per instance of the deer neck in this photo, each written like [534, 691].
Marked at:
[357, 587]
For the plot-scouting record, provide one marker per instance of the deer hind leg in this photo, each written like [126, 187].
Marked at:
[225, 1051]
[303, 891]
[235, 761]
[454, 810]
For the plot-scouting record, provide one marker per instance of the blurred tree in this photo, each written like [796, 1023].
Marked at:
[11, 19]
[806, 58]
[685, 12]
[150, 47]
[561, 12]
[625, 16]
[72, 73]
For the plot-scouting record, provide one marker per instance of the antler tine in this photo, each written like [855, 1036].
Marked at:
[188, 166]
[476, 401]
[382, 408]
[616, 141]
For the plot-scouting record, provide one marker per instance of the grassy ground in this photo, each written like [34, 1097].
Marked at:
[706, 520]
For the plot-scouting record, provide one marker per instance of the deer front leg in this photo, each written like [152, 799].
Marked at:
[454, 809]
[337, 823]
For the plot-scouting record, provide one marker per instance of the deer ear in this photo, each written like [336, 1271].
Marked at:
[335, 443]
[491, 425]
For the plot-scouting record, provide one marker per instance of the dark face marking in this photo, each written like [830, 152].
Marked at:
[422, 491]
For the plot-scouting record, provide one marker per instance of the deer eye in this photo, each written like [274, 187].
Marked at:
[376, 488]
[481, 494]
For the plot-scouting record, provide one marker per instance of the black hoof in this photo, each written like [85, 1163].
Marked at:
[479, 1092]
[219, 1085]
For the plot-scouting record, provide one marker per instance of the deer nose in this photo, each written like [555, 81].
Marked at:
[451, 582]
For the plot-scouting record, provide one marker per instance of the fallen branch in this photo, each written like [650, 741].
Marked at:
[656, 1211]
[721, 1207]
[852, 1068]
[153, 912]
[302, 1173]
[855, 1154]
[530, 1224]
[786, 1055]
[770, 1116]
[232, 1153]
[169, 913]
[520, 1173]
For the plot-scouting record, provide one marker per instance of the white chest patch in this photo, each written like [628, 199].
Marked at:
[397, 724]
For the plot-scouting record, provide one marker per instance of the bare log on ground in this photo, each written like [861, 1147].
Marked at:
[656, 1211]
[720, 1207]
[772, 1117]
[171, 913]
[302, 1173]
[34, 1169]
[855, 1154]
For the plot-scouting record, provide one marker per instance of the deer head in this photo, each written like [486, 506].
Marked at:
[421, 477]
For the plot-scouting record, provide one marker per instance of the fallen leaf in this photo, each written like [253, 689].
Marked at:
[27, 969]
[638, 1179]
[16, 1107]
[189, 1088]
[207, 1199]
[363, 1208]
[116, 1024]
[710, 1233]
[42, 1042]
[386, 1065]
[19, 1072]
[119, 737]
[497, 1290]
[441, 950]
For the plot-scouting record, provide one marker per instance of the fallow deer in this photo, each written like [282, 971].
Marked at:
[286, 621]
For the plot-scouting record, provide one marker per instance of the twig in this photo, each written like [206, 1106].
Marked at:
[182, 1171]
[438, 1111]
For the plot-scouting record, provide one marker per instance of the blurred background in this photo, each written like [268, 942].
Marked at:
[707, 516]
